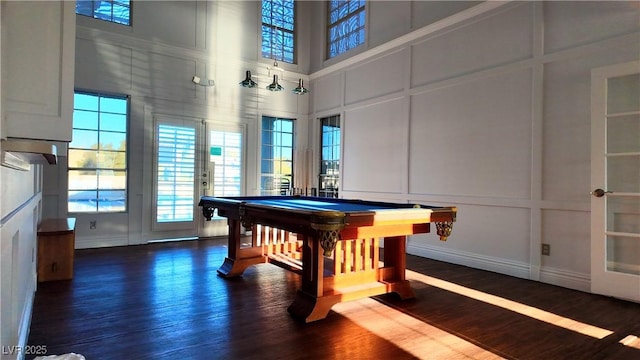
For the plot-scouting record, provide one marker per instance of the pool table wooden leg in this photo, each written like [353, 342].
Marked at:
[308, 308]
[318, 295]
[395, 265]
[310, 304]
[239, 259]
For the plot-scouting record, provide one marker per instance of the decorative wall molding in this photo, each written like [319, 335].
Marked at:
[560, 277]
[503, 266]
[471, 13]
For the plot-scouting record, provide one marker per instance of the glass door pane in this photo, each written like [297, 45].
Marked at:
[175, 182]
[225, 152]
[623, 174]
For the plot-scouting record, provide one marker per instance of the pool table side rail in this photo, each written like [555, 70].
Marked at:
[233, 207]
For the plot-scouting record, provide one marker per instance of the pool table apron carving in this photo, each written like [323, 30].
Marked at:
[335, 252]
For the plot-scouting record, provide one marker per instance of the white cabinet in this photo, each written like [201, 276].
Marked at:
[38, 49]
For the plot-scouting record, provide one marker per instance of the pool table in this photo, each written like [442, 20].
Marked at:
[333, 243]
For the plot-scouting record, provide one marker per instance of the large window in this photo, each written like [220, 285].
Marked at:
[116, 11]
[278, 35]
[346, 26]
[329, 157]
[176, 160]
[97, 162]
[276, 166]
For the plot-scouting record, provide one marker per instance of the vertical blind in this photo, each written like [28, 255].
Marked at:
[176, 171]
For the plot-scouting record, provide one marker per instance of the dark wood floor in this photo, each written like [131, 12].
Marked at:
[165, 301]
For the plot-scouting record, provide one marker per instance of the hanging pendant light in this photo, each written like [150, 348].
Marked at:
[300, 90]
[248, 82]
[274, 86]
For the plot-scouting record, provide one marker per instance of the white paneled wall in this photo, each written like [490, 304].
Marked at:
[328, 92]
[105, 65]
[491, 131]
[20, 214]
[374, 158]
[497, 40]
[490, 113]
[382, 76]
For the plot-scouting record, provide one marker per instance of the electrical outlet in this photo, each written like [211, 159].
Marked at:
[92, 224]
[546, 249]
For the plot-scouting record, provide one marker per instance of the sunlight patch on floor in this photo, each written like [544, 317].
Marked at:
[408, 333]
[631, 341]
[533, 312]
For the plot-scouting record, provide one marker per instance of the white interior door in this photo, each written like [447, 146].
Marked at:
[615, 180]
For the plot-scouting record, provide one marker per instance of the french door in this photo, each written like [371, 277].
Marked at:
[177, 162]
[615, 180]
[223, 170]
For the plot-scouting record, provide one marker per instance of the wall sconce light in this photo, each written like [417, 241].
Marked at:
[274, 86]
[300, 90]
[196, 80]
[248, 82]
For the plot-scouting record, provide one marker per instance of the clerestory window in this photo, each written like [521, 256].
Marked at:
[278, 30]
[115, 11]
[345, 26]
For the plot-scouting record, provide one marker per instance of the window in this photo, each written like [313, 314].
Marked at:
[225, 152]
[345, 26]
[276, 166]
[329, 157]
[97, 167]
[278, 36]
[176, 160]
[116, 11]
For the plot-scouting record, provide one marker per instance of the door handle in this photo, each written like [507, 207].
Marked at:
[600, 192]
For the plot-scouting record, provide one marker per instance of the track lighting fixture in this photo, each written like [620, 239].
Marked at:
[274, 86]
[248, 82]
[300, 90]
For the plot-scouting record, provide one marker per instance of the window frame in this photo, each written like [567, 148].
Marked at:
[124, 3]
[275, 48]
[276, 190]
[361, 10]
[97, 168]
[336, 151]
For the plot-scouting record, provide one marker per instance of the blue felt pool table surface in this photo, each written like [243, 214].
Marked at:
[318, 203]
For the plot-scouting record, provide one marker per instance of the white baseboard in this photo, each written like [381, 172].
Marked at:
[502, 266]
[100, 241]
[565, 278]
[559, 277]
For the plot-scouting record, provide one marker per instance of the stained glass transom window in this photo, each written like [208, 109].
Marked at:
[278, 24]
[346, 28]
[116, 11]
